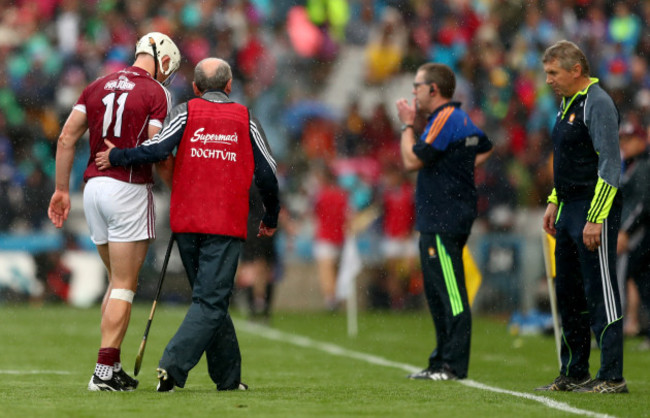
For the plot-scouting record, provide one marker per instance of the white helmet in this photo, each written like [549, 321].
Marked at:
[159, 45]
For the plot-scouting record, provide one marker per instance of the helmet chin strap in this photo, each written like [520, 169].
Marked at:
[152, 42]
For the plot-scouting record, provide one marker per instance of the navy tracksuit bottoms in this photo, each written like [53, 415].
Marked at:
[587, 292]
[210, 262]
[441, 256]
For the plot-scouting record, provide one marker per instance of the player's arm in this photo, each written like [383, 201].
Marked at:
[73, 129]
[153, 150]
[164, 168]
[265, 179]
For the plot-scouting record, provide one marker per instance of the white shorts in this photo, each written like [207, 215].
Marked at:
[117, 211]
[325, 250]
[399, 247]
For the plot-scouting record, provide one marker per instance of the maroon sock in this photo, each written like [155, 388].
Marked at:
[108, 356]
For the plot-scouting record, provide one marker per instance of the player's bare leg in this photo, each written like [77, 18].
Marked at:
[123, 262]
[103, 254]
[126, 259]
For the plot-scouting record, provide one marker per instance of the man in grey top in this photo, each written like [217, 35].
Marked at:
[584, 214]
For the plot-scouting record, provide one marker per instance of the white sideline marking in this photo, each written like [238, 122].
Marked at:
[273, 334]
[33, 372]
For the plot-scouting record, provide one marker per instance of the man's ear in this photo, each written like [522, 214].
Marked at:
[577, 70]
[197, 92]
[228, 87]
[165, 63]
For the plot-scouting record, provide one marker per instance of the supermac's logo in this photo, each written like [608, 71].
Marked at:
[199, 136]
[572, 117]
[122, 83]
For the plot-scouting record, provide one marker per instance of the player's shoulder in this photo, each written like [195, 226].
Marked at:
[458, 118]
[598, 97]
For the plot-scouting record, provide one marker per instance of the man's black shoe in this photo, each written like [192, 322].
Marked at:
[443, 373]
[566, 383]
[240, 386]
[604, 386]
[165, 381]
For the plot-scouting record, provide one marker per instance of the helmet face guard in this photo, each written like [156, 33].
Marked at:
[159, 45]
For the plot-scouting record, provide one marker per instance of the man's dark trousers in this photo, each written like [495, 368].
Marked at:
[210, 263]
[441, 256]
[587, 292]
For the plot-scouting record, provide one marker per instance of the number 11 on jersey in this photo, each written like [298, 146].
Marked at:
[109, 102]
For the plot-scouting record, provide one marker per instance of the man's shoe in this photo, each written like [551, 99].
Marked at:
[421, 375]
[112, 385]
[240, 386]
[604, 386]
[127, 381]
[426, 374]
[566, 383]
[165, 381]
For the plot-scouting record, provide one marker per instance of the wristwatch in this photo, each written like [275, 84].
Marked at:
[406, 126]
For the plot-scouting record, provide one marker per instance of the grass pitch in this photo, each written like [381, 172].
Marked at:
[302, 365]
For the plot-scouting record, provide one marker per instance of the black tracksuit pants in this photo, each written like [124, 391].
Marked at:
[587, 293]
[441, 256]
[211, 263]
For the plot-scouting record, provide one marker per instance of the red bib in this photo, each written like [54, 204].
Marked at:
[213, 170]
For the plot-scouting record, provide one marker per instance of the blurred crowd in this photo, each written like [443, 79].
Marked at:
[283, 54]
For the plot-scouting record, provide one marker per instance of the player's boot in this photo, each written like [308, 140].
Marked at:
[127, 381]
[111, 385]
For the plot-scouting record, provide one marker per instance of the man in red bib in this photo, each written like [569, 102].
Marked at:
[221, 149]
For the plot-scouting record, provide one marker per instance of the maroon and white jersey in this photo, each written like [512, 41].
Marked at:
[120, 107]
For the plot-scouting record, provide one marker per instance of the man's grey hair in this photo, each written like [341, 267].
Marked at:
[212, 79]
[567, 55]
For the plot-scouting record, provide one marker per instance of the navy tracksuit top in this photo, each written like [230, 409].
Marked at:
[445, 195]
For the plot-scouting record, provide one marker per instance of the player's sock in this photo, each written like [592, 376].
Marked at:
[117, 366]
[106, 358]
[103, 371]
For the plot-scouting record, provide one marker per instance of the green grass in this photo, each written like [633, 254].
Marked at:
[290, 380]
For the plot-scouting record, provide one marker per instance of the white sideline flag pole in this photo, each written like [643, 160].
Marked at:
[346, 281]
[550, 279]
[352, 311]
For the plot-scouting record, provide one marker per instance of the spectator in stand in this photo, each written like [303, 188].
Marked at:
[634, 234]
[331, 215]
[36, 194]
[8, 183]
[378, 136]
[385, 48]
[352, 138]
